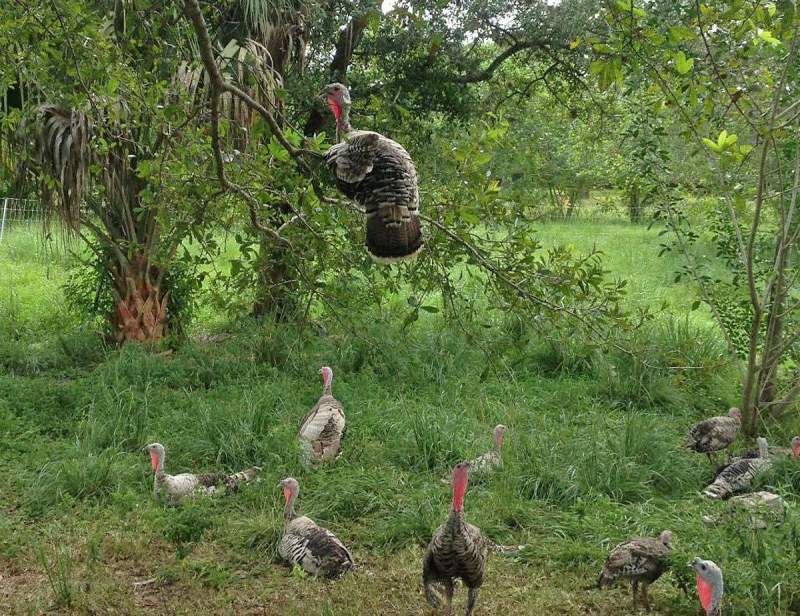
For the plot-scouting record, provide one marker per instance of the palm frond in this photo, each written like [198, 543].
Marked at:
[65, 155]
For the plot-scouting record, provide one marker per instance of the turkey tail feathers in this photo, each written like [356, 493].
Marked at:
[393, 234]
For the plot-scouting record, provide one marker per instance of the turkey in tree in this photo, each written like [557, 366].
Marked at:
[323, 429]
[710, 586]
[177, 487]
[642, 560]
[316, 550]
[739, 475]
[380, 175]
[714, 434]
[457, 550]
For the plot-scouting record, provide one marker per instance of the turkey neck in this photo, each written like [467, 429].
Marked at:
[159, 464]
[343, 124]
[288, 510]
[459, 489]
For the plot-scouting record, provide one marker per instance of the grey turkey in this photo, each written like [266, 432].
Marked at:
[739, 474]
[710, 585]
[641, 560]
[457, 550]
[314, 549]
[714, 434]
[324, 427]
[178, 487]
[380, 176]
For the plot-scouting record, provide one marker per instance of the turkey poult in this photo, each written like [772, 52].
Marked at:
[739, 475]
[316, 550]
[177, 487]
[642, 560]
[714, 434]
[380, 175]
[457, 550]
[323, 429]
[710, 586]
[490, 460]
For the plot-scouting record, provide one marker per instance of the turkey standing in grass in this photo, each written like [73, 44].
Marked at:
[380, 175]
[714, 434]
[316, 550]
[641, 560]
[323, 429]
[457, 550]
[710, 586]
[177, 487]
[739, 475]
[490, 460]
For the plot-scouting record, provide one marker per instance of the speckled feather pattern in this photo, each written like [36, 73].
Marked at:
[713, 434]
[323, 429]
[379, 174]
[316, 550]
[457, 550]
[736, 477]
[178, 487]
[644, 559]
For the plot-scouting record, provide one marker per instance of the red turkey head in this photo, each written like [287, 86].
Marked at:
[710, 586]
[795, 447]
[156, 451]
[460, 481]
[338, 98]
[499, 434]
[290, 489]
[327, 376]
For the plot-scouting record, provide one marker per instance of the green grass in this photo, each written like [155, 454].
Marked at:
[593, 456]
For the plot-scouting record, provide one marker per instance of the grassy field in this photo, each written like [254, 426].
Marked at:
[593, 456]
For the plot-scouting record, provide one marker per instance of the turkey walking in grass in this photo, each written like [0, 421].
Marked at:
[457, 550]
[323, 429]
[177, 487]
[316, 550]
[491, 460]
[642, 561]
[739, 475]
[714, 434]
[380, 175]
[710, 586]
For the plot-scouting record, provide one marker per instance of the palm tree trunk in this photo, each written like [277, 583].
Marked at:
[140, 309]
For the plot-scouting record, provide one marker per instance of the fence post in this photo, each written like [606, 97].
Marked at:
[3, 221]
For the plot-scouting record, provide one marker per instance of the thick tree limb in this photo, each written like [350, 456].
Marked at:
[489, 71]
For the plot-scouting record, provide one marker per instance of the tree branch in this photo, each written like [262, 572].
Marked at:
[488, 72]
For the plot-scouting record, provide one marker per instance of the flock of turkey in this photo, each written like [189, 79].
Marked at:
[458, 550]
[379, 174]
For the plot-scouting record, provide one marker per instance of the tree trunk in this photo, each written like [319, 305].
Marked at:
[140, 310]
[274, 293]
[635, 205]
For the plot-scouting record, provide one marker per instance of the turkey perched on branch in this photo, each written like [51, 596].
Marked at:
[177, 487]
[642, 560]
[324, 427]
[457, 550]
[710, 586]
[738, 475]
[714, 434]
[316, 550]
[380, 175]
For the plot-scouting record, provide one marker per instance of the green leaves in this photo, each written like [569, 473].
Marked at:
[682, 64]
[767, 37]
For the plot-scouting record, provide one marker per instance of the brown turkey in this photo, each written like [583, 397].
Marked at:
[178, 487]
[457, 550]
[316, 550]
[714, 434]
[378, 174]
[324, 427]
[642, 560]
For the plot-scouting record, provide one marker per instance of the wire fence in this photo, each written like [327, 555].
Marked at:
[18, 213]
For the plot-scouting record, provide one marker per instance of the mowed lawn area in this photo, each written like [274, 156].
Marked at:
[593, 456]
